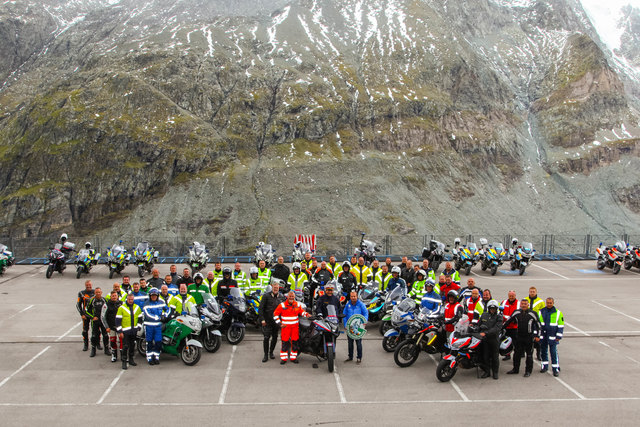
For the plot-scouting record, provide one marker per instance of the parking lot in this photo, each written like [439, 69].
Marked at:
[46, 378]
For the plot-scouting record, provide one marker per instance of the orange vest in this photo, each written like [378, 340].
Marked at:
[288, 313]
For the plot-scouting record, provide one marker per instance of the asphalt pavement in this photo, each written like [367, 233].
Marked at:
[46, 378]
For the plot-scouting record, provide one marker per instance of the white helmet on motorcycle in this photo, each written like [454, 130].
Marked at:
[396, 269]
[63, 237]
[514, 241]
[87, 245]
[261, 244]
[296, 265]
[253, 270]
[493, 304]
[456, 240]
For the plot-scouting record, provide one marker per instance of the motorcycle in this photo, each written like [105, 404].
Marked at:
[632, 258]
[367, 250]
[198, 257]
[264, 253]
[392, 299]
[6, 258]
[611, 257]
[491, 256]
[117, 258]
[178, 338]
[253, 307]
[521, 257]
[211, 317]
[465, 256]
[319, 291]
[234, 309]
[425, 334]
[434, 253]
[401, 319]
[318, 336]
[57, 258]
[84, 261]
[464, 353]
[373, 299]
[145, 257]
[297, 255]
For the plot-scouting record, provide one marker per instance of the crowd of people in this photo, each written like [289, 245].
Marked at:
[115, 318]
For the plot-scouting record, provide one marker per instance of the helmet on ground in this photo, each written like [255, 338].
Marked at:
[87, 245]
[396, 269]
[226, 270]
[63, 237]
[296, 265]
[452, 293]
[154, 291]
[506, 346]
[198, 275]
[493, 304]
[253, 270]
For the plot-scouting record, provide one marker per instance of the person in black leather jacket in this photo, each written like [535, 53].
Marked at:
[490, 325]
[268, 304]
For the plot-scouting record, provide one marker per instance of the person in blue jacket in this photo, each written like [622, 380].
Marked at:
[396, 280]
[154, 311]
[354, 306]
[430, 299]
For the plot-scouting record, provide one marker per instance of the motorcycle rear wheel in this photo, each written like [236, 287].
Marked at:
[212, 343]
[406, 354]
[389, 344]
[141, 345]
[49, 271]
[331, 356]
[235, 335]
[444, 372]
[616, 268]
[190, 355]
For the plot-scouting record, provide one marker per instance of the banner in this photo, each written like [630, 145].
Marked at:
[307, 242]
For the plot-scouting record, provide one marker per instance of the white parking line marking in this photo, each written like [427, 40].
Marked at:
[111, 386]
[577, 329]
[552, 272]
[614, 310]
[69, 331]
[607, 345]
[457, 388]
[343, 399]
[567, 386]
[21, 311]
[225, 385]
[24, 366]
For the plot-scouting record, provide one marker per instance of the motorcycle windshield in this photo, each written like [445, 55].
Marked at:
[395, 295]
[3, 248]
[199, 250]
[57, 246]
[472, 247]
[142, 247]
[527, 247]
[83, 253]
[368, 293]
[369, 246]
[117, 251]
[407, 305]
[332, 317]
[211, 303]
[498, 247]
[433, 245]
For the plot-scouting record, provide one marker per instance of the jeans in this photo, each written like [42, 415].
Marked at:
[358, 347]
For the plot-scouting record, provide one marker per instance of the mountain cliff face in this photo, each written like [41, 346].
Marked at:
[255, 117]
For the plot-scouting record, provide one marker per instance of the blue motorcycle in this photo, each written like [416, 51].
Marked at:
[402, 318]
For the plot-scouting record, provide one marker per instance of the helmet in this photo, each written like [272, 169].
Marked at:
[506, 346]
[195, 276]
[452, 293]
[430, 282]
[253, 270]
[63, 237]
[514, 241]
[87, 245]
[424, 273]
[154, 291]
[456, 240]
[261, 244]
[346, 264]
[226, 270]
[296, 265]
[396, 269]
[330, 285]
[493, 304]
[277, 281]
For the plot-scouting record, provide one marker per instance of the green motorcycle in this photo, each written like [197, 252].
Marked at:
[177, 338]
[6, 258]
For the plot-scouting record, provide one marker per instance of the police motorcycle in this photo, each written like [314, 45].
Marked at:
[392, 299]
[178, 337]
[366, 249]
[434, 253]
[318, 336]
[198, 257]
[632, 258]
[234, 311]
[264, 253]
[425, 334]
[85, 259]
[117, 259]
[465, 256]
[373, 299]
[402, 318]
[253, 306]
[611, 257]
[211, 317]
[297, 255]
[319, 291]
[145, 257]
[6, 258]
[521, 256]
[58, 255]
[491, 256]
[463, 346]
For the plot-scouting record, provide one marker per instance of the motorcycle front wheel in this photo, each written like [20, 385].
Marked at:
[406, 354]
[444, 372]
[190, 355]
[49, 271]
[78, 273]
[616, 268]
[211, 342]
[522, 268]
[111, 273]
[235, 335]
[600, 264]
[627, 264]
[331, 356]
[483, 267]
[141, 271]
[384, 327]
[468, 270]
[389, 344]
[494, 270]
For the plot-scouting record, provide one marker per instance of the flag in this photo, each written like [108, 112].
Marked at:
[307, 242]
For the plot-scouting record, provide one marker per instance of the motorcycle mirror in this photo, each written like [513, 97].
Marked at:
[120, 241]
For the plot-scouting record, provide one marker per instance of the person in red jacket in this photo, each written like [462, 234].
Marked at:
[287, 314]
[509, 306]
[453, 311]
[449, 285]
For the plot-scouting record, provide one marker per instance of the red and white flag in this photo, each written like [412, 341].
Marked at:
[307, 242]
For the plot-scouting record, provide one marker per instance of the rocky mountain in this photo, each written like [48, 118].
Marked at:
[252, 118]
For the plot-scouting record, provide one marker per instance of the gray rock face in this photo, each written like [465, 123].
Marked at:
[253, 118]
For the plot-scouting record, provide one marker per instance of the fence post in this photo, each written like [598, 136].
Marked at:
[551, 244]
[389, 245]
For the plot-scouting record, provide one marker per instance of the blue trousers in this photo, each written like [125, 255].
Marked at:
[153, 335]
[358, 347]
[549, 346]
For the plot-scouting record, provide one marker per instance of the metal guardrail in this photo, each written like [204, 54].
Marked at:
[232, 249]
